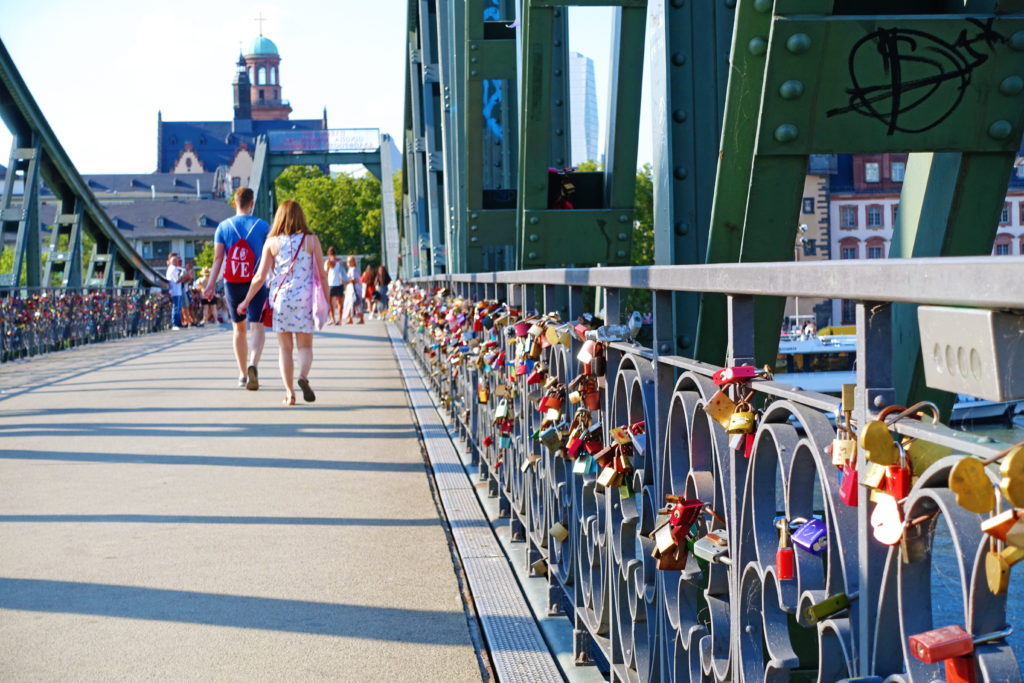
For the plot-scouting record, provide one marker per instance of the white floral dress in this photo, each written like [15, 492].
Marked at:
[291, 293]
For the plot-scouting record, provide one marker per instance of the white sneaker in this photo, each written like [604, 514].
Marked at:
[175, 328]
[242, 381]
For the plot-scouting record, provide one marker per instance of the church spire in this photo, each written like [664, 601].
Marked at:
[242, 91]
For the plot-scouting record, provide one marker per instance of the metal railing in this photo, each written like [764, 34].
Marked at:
[735, 617]
[41, 320]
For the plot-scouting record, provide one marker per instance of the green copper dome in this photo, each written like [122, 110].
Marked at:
[261, 45]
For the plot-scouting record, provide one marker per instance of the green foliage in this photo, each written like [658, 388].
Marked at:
[204, 259]
[590, 165]
[344, 212]
[643, 227]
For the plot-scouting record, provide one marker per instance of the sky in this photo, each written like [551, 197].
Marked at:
[100, 71]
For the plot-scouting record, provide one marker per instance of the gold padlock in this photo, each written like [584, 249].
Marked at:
[742, 420]
[720, 408]
[876, 441]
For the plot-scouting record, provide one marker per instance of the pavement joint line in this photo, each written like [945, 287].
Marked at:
[518, 650]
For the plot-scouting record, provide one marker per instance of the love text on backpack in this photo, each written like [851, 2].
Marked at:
[241, 260]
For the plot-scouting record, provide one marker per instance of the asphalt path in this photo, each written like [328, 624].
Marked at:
[159, 523]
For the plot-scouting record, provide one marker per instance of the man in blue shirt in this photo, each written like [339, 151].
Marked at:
[237, 246]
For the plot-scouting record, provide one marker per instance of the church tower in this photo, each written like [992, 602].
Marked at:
[242, 91]
[262, 63]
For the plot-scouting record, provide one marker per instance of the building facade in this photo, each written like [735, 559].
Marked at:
[227, 147]
[583, 109]
[865, 199]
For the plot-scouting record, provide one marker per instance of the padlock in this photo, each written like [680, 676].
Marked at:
[609, 477]
[742, 419]
[582, 465]
[504, 441]
[551, 438]
[1012, 470]
[558, 532]
[713, 547]
[940, 644]
[874, 475]
[973, 489]
[638, 437]
[811, 536]
[734, 375]
[844, 446]
[592, 400]
[785, 561]
[1000, 524]
[876, 441]
[720, 408]
[528, 462]
[501, 411]
[598, 367]
[897, 477]
[620, 434]
[685, 512]
[587, 352]
[848, 484]
[829, 607]
[886, 520]
[575, 397]
[664, 540]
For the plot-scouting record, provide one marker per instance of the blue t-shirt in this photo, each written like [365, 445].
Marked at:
[254, 230]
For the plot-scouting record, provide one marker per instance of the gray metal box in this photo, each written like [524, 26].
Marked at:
[973, 351]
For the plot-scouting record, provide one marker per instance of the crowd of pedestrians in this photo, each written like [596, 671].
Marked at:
[274, 276]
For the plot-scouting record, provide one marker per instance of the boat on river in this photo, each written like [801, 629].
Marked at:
[825, 363]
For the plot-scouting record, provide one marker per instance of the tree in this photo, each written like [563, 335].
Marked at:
[204, 259]
[643, 222]
[345, 212]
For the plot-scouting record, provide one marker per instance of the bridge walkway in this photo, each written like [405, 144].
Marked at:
[158, 522]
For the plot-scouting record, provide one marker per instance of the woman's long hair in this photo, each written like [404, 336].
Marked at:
[370, 275]
[289, 220]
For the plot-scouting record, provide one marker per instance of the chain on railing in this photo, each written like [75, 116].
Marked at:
[700, 523]
[40, 320]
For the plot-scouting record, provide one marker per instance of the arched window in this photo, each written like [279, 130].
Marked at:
[1003, 245]
[262, 76]
[876, 247]
[251, 75]
[273, 76]
[849, 248]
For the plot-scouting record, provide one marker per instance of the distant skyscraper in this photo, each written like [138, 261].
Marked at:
[583, 108]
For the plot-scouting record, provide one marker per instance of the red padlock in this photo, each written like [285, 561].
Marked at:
[785, 559]
[897, 481]
[685, 511]
[573, 449]
[941, 644]
[848, 487]
[543, 404]
[960, 670]
[592, 401]
[732, 375]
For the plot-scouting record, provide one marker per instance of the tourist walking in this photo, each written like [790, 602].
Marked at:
[383, 283]
[336, 284]
[291, 256]
[174, 275]
[369, 280]
[353, 293]
[237, 246]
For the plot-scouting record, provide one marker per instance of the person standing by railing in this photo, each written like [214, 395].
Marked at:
[336, 283]
[293, 254]
[240, 239]
[353, 293]
[383, 282]
[369, 280]
[174, 275]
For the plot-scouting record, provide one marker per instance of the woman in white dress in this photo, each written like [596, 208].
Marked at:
[353, 292]
[291, 253]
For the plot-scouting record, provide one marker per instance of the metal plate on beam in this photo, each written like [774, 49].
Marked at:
[893, 84]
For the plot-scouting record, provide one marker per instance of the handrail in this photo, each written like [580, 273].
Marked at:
[955, 281]
[593, 543]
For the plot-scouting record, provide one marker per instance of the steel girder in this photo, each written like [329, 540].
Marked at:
[832, 77]
[38, 154]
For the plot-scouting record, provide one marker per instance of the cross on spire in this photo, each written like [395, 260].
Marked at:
[261, 19]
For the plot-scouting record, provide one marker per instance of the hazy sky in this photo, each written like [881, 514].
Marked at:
[101, 70]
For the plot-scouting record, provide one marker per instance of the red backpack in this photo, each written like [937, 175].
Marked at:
[240, 265]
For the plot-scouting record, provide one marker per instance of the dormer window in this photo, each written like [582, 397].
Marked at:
[161, 222]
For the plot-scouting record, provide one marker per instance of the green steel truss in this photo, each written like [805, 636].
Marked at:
[487, 116]
[37, 157]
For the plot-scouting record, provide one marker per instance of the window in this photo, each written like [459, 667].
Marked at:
[158, 249]
[848, 216]
[874, 216]
[871, 172]
[236, 182]
[848, 312]
[1003, 249]
[874, 252]
[1004, 217]
[261, 95]
[898, 168]
[273, 76]
[1021, 216]
[808, 205]
[261, 77]
[848, 253]
[895, 212]
[192, 247]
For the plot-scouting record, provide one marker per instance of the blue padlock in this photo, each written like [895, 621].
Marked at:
[504, 441]
[812, 536]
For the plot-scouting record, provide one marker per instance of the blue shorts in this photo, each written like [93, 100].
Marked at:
[235, 293]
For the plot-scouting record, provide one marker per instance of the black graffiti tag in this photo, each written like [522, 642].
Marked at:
[922, 69]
